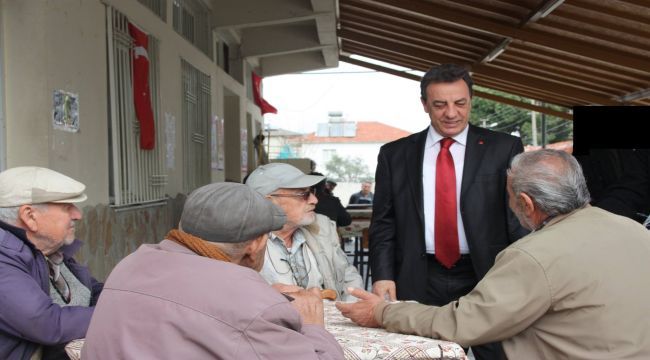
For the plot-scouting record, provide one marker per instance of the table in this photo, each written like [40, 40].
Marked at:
[355, 229]
[361, 343]
[73, 349]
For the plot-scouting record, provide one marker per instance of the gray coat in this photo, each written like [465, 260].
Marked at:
[338, 273]
[322, 241]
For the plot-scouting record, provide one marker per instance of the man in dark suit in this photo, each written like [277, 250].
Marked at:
[416, 254]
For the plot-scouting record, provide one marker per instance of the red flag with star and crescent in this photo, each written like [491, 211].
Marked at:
[141, 91]
[257, 96]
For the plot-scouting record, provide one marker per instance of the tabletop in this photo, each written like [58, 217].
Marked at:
[361, 343]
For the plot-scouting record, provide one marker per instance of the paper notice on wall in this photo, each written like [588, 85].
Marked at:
[65, 111]
[244, 151]
[216, 144]
[170, 139]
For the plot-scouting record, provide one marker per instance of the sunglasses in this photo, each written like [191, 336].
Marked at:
[304, 195]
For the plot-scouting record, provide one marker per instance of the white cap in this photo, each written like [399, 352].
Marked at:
[36, 185]
[270, 177]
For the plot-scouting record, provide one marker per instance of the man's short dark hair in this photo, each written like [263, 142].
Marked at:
[445, 73]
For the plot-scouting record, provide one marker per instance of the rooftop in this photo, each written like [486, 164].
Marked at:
[367, 132]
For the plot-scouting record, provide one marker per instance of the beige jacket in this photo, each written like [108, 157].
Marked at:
[576, 289]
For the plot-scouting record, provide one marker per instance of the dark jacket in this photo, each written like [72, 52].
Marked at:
[619, 180]
[331, 207]
[358, 198]
[28, 317]
[397, 244]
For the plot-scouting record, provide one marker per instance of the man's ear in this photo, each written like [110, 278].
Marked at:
[258, 244]
[527, 203]
[27, 216]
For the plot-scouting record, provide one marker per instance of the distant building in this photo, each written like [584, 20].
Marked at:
[348, 139]
[282, 144]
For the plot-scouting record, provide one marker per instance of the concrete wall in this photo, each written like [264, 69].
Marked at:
[110, 235]
[49, 45]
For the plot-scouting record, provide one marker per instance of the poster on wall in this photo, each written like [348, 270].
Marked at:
[65, 111]
[216, 144]
[170, 139]
[244, 151]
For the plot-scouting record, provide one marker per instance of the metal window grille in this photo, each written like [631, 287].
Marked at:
[196, 126]
[159, 7]
[191, 20]
[137, 175]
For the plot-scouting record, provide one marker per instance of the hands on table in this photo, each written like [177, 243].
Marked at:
[361, 312]
[309, 305]
[308, 302]
[385, 289]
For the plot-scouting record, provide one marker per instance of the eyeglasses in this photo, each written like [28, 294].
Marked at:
[304, 195]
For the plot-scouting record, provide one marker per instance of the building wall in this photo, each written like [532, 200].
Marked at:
[52, 45]
[62, 44]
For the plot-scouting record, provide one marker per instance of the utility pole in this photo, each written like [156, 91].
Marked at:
[544, 140]
[533, 124]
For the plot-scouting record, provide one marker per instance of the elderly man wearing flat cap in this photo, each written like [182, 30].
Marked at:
[198, 294]
[46, 298]
[306, 252]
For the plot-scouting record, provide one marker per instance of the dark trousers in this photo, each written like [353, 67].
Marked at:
[447, 285]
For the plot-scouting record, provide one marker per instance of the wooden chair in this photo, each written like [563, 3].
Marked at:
[362, 256]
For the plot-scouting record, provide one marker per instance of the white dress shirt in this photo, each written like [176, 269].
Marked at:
[431, 150]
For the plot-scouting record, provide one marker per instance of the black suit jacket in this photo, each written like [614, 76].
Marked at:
[397, 245]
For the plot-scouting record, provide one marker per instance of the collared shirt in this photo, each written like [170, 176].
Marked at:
[293, 266]
[431, 150]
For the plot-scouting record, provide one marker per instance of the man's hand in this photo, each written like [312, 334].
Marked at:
[309, 306]
[361, 312]
[284, 288]
[382, 288]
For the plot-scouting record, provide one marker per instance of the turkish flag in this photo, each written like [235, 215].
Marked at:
[259, 101]
[141, 92]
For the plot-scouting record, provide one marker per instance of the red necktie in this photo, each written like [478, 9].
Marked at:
[446, 227]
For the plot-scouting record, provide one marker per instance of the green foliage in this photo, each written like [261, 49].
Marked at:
[509, 119]
[347, 169]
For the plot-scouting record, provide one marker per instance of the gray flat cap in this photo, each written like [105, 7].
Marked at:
[36, 185]
[229, 213]
[270, 177]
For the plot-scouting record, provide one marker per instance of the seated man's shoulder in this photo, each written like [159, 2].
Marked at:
[325, 224]
[14, 248]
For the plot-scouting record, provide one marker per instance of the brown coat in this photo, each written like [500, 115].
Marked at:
[577, 289]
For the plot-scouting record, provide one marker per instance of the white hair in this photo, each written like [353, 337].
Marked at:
[9, 215]
[552, 178]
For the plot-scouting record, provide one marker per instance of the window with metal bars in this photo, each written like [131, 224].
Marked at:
[137, 176]
[159, 7]
[191, 20]
[196, 127]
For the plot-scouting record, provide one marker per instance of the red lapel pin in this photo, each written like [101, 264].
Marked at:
[480, 142]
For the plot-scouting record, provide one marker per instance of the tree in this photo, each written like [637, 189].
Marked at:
[347, 169]
[508, 119]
